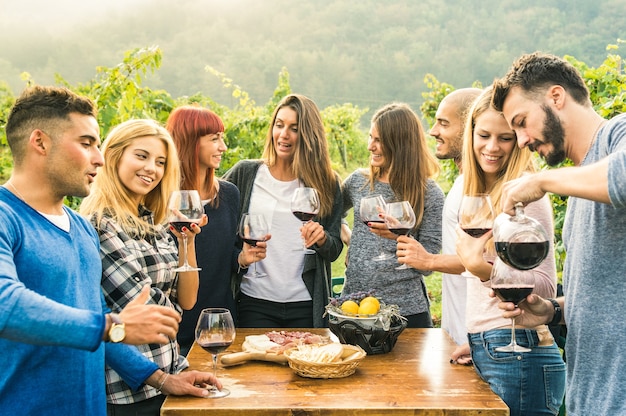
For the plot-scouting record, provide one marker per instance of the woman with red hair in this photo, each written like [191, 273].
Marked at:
[199, 136]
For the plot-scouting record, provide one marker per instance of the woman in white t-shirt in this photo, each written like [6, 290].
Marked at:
[297, 285]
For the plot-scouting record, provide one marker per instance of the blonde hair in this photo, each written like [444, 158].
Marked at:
[474, 180]
[408, 160]
[108, 194]
[311, 162]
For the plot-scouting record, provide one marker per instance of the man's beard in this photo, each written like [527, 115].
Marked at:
[553, 134]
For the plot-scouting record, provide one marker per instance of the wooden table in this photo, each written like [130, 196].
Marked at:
[415, 378]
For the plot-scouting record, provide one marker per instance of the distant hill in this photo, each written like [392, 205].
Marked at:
[366, 52]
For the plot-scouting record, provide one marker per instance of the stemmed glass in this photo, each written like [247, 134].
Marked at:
[215, 332]
[400, 219]
[305, 205]
[476, 214]
[184, 208]
[511, 285]
[476, 217]
[252, 229]
[369, 211]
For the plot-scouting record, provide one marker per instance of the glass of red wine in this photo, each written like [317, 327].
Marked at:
[184, 208]
[305, 205]
[476, 216]
[215, 332]
[400, 219]
[511, 285]
[520, 241]
[252, 229]
[369, 211]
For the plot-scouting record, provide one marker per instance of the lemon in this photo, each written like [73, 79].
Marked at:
[373, 300]
[368, 308]
[350, 307]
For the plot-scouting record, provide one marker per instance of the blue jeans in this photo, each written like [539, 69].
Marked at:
[530, 383]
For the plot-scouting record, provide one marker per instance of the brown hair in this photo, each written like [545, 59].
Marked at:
[311, 163]
[408, 159]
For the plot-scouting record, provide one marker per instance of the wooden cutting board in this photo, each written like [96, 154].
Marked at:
[249, 353]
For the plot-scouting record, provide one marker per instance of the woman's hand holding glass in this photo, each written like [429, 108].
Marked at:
[254, 231]
[184, 210]
[400, 219]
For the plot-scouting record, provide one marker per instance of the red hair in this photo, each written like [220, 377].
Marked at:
[186, 125]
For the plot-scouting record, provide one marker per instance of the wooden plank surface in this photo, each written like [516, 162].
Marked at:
[415, 378]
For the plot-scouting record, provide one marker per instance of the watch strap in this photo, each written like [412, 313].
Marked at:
[558, 313]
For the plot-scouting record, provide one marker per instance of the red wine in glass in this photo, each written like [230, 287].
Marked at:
[476, 232]
[214, 347]
[253, 229]
[304, 216]
[400, 231]
[514, 294]
[252, 241]
[522, 255]
[183, 209]
[400, 219]
[511, 285]
[215, 331]
[178, 225]
[305, 205]
[370, 209]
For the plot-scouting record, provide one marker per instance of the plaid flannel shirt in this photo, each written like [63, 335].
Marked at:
[129, 263]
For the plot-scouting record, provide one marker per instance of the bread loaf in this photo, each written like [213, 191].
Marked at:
[320, 354]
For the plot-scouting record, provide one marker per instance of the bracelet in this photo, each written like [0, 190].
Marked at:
[558, 313]
[241, 266]
[162, 380]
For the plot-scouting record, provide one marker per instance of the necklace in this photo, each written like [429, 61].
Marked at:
[593, 139]
[17, 193]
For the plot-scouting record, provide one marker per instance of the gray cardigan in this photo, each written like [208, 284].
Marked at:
[317, 267]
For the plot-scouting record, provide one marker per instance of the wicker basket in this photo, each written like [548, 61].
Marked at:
[373, 340]
[352, 356]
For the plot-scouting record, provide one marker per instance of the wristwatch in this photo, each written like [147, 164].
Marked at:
[117, 332]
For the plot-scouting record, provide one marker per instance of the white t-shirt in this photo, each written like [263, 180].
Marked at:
[284, 262]
[453, 286]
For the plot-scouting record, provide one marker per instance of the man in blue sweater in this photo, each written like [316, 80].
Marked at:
[546, 102]
[53, 319]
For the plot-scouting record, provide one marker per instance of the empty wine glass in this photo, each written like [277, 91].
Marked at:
[511, 285]
[400, 219]
[184, 208]
[215, 332]
[369, 211]
[252, 229]
[305, 205]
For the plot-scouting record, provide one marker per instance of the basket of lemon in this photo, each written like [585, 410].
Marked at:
[362, 319]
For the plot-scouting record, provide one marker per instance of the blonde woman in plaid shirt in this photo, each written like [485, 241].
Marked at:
[128, 207]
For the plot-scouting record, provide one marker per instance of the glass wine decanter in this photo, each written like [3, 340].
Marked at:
[521, 241]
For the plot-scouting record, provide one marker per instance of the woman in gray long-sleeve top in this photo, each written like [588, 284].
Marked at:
[401, 168]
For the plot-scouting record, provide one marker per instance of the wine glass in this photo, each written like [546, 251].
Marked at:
[369, 211]
[511, 285]
[215, 332]
[476, 217]
[476, 214]
[184, 208]
[252, 229]
[305, 205]
[400, 218]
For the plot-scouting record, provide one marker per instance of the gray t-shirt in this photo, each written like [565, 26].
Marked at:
[404, 288]
[595, 241]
